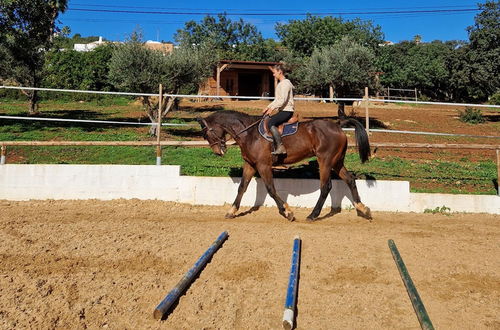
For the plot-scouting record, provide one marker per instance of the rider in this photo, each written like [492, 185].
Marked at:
[283, 102]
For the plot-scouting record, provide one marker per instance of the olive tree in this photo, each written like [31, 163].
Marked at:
[134, 68]
[343, 68]
[27, 29]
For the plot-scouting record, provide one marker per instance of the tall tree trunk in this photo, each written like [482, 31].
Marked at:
[341, 110]
[33, 98]
[152, 112]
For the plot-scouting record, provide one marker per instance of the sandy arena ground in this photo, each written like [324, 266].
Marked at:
[95, 264]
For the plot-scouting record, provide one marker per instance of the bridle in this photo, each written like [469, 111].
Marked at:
[207, 129]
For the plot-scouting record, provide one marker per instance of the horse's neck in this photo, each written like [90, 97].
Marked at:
[235, 128]
[232, 127]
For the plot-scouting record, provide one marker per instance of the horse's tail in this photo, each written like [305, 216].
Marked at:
[361, 138]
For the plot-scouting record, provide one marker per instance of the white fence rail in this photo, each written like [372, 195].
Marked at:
[247, 97]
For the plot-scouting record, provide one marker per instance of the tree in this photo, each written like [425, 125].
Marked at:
[27, 28]
[303, 36]
[233, 40]
[78, 70]
[135, 68]
[416, 65]
[484, 50]
[344, 68]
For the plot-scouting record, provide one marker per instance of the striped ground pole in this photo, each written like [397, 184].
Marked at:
[291, 293]
[188, 278]
[418, 305]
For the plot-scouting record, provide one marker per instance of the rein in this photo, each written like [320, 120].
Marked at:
[250, 126]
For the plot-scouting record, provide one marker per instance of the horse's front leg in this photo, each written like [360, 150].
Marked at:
[248, 172]
[266, 173]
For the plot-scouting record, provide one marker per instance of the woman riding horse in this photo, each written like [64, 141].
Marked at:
[283, 102]
[319, 137]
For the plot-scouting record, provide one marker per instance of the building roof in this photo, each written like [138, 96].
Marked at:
[247, 62]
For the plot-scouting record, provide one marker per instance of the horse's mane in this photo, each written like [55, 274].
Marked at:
[228, 116]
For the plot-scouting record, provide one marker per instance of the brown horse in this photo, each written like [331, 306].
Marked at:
[320, 137]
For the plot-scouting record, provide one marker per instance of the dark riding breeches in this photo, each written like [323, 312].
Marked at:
[279, 118]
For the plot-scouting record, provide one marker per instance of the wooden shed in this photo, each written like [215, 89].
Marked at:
[240, 78]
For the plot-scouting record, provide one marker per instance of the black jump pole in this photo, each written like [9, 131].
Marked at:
[188, 278]
[418, 305]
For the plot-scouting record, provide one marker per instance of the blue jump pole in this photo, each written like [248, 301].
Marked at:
[188, 278]
[291, 292]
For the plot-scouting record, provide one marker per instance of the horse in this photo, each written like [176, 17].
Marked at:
[322, 138]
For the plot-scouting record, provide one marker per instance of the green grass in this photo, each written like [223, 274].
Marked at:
[428, 176]
[461, 176]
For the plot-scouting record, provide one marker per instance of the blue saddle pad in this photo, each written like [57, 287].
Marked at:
[288, 129]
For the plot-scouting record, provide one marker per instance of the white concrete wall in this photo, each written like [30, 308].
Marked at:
[24, 182]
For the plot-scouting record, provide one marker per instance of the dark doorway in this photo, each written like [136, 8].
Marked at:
[249, 84]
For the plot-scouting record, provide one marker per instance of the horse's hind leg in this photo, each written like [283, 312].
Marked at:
[266, 173]
[248, 172]
[362, 209]
[326, 186]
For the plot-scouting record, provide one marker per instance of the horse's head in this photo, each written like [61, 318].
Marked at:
[215, 135]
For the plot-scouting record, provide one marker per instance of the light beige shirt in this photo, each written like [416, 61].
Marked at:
[283, 100]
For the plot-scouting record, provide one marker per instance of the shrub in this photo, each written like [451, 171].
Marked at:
[439, 210]
[495, 99]
[471, 116]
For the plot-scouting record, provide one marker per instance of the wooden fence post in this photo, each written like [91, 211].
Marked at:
[366, 112]
[498, 171]
[4, 153]
[158, 130]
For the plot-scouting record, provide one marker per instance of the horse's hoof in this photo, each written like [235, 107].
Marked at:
[363, 211]
[230, 216]
[310, 219]
[367, 214]
[335, 210]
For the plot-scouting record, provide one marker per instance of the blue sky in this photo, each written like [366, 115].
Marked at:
[114, 20]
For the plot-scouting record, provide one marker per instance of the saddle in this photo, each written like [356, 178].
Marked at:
[285, 129]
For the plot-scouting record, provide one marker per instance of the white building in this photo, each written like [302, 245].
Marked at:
[88, 47]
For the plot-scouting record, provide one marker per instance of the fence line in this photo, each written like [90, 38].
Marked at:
[378, 130]
[205, 143]
[437, 103]
[248, 97]
[89, 121]
[199, 96]
[432, 133]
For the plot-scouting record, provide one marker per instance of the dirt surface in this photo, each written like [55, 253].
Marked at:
[95, 264]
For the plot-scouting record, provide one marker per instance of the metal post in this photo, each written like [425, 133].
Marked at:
[388, 96]
[4, 153]
[416, 99]
[367, 124]
[188, 278]
[498, 171]
[158, 130]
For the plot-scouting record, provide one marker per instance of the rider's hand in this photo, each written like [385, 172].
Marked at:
[267, 111]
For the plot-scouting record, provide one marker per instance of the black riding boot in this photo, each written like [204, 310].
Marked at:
[279, 147]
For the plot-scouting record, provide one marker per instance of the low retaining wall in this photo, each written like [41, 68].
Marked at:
[24, 182]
